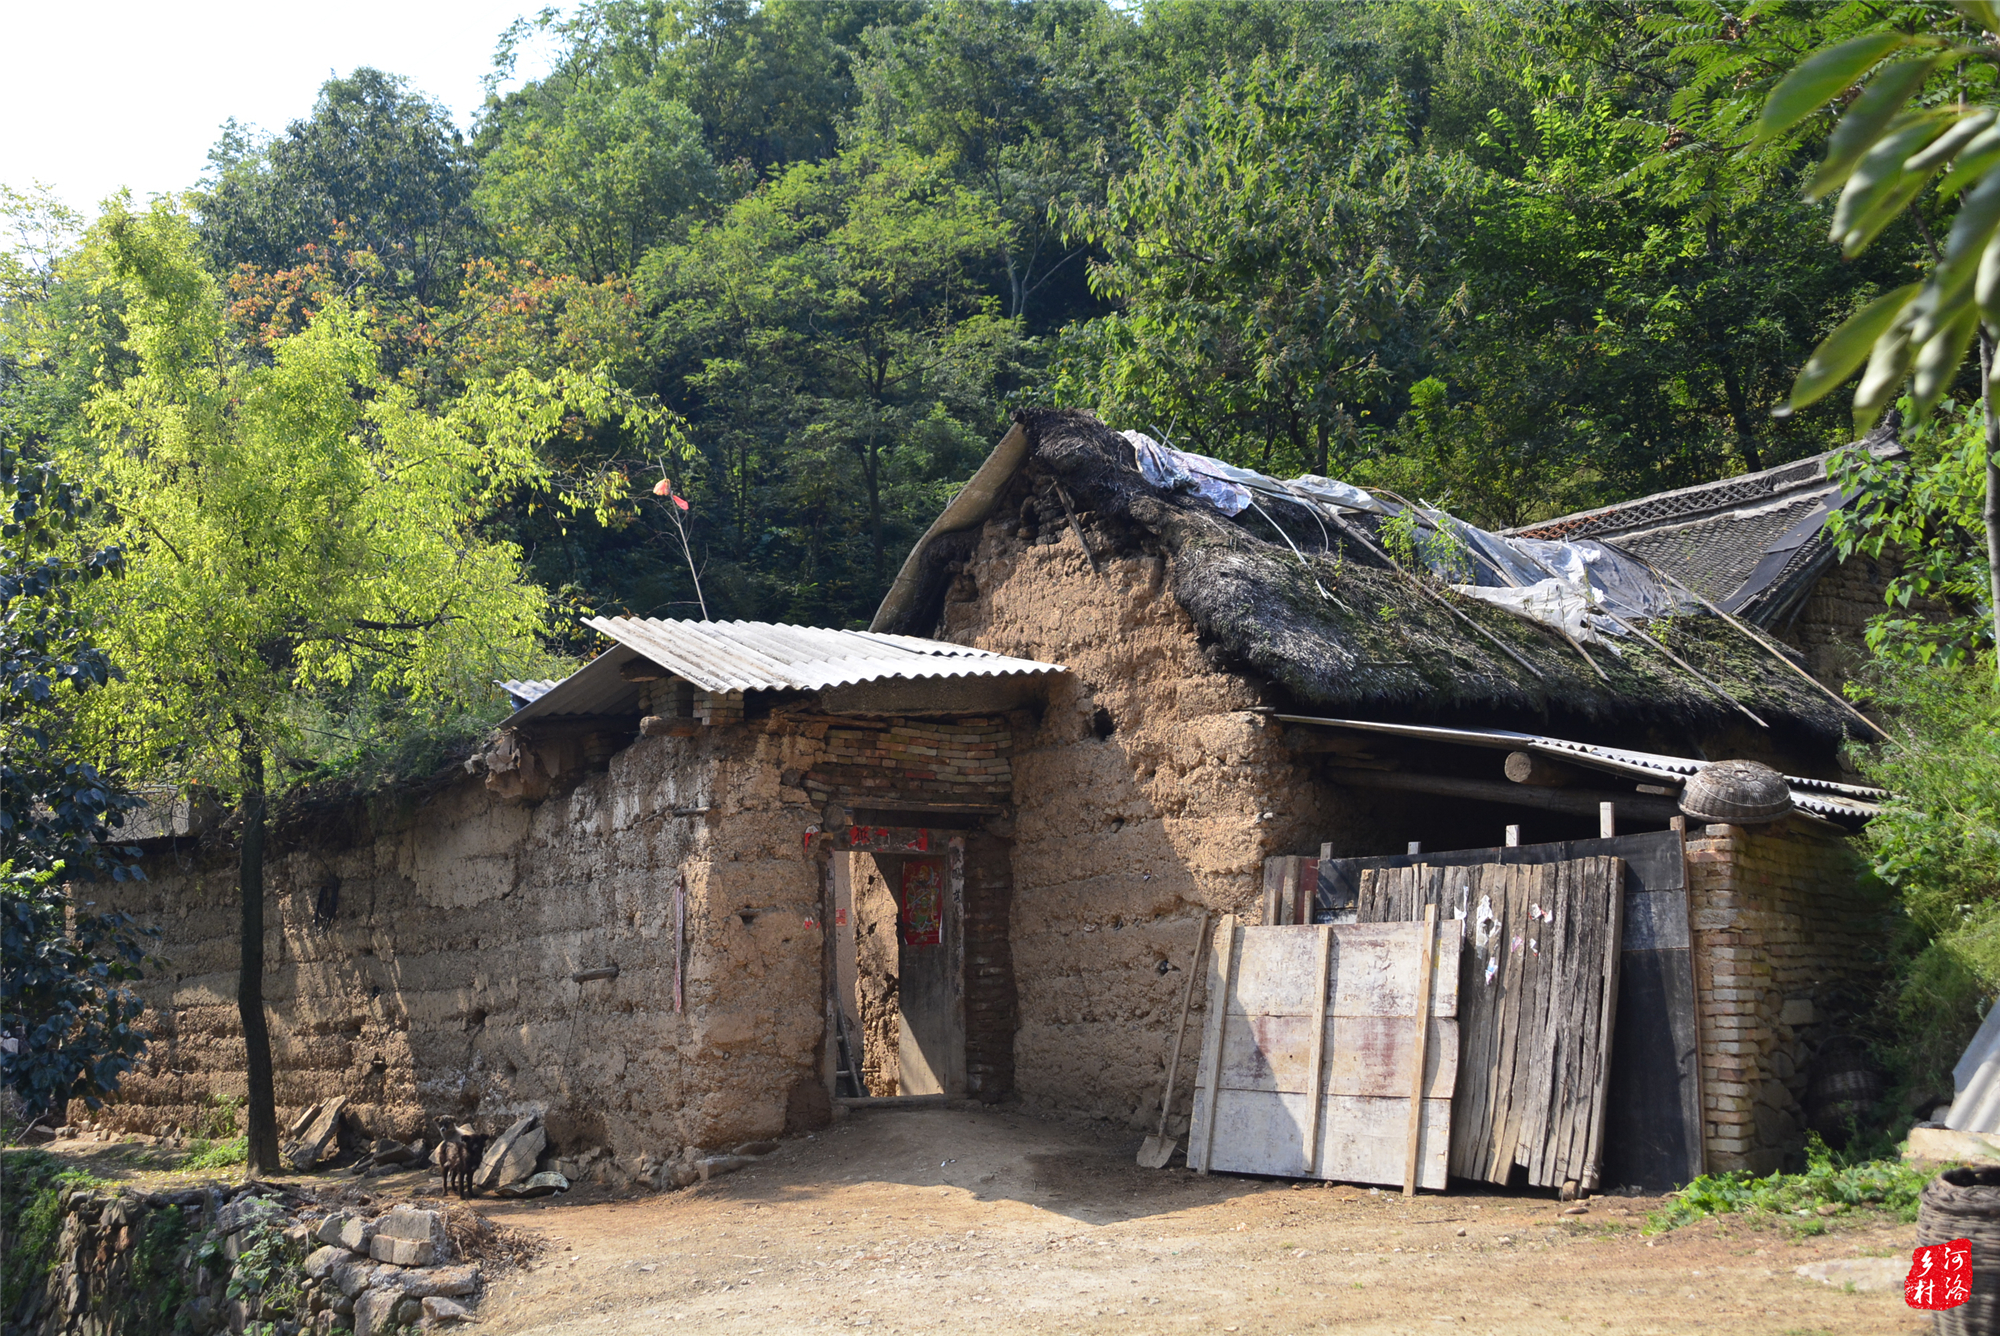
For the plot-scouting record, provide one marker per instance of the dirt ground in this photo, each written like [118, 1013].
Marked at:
[997, 1221]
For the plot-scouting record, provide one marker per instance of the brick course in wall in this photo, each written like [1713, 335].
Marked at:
[912, 761]
[1781, 936]
[990, 997]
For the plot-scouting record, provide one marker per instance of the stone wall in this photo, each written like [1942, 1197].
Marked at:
[1782, 944]
[1142, 798]
[420, 957]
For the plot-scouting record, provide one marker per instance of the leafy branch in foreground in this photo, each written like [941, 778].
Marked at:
[1913, 120]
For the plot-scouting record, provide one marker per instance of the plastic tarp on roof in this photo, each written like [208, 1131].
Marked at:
[1584, 588]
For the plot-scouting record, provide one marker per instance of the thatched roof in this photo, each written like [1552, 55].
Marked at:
[1384, 643]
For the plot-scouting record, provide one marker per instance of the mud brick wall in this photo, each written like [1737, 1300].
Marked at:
[421, 952]
[1782, 941]
[1141, 800]
[991, 1012]
[910, 761]
[1831, 628]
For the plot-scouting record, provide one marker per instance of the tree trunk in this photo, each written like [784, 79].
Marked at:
[263, 1113]
[1993, 524]
[1992, 508]
[1740, 418]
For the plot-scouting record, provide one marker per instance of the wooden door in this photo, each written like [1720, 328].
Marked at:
[930, 1050]
[1538, 995]
[1653, 1123]
[1310, 1049]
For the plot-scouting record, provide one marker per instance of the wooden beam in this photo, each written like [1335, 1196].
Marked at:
[642, 670]
[1413, 1139]
[1316, 1046]
[1218, 1019]
[1541, 772]
[1574, 801]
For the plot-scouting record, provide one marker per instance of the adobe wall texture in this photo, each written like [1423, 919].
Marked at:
[1141, 801]
[1782, 943]
[440, 982]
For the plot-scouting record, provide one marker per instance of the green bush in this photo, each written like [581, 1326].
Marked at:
[1829, 1180]
[204, 1155]
[1937, 845]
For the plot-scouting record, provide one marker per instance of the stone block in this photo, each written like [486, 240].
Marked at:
[246, 1211]
[442, 1310]
[512, 1155]
[375, 1312]
[320, 1263]
[1796, 1011]
[412, 1225]
[351, 1232]
[402, 1252]
[453, 1281]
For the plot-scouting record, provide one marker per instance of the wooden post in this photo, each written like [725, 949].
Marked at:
[1316, 1049]
[1607, 820]
[1416, 1131]
[1218, 1020]
[1513, 837]
[1614, 942]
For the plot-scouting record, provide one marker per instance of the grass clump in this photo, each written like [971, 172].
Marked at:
[1829, 1180]
[206, 1155]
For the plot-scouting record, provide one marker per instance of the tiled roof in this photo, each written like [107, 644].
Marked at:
[1752, 544]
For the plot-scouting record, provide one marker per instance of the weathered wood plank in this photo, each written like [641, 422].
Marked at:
[1365, 1056]
[1316, 1062]
[1201, 1125]
[1280, 1091]
[1421, 1015]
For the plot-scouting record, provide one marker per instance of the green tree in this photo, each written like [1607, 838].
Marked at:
[299, 534]
[377, 168]
[66, 1015]
[771, 82]
[1022, 101]
[590, 190]
[1274, 252]
[834, 306]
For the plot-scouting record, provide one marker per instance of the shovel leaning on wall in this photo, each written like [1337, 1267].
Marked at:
[1156, 1150]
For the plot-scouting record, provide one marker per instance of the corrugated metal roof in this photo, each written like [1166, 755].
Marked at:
[1850, 804]
[528, 691]
[759, 656]
[768, 656]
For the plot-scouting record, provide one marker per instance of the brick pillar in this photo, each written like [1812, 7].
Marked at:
[1781, 932]
[990, 999]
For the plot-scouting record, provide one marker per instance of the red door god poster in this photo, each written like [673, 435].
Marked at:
[923, 902]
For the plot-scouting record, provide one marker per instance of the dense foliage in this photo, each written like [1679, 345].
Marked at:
[67, 1019]
[1523, 258]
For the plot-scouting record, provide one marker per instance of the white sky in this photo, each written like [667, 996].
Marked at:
[99, 96]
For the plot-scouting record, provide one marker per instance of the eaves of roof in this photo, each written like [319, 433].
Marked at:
[1846, 804]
